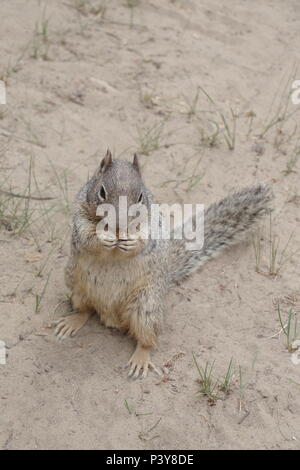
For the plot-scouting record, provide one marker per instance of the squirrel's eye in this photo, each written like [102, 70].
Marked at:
[102, 193]
[140, 199]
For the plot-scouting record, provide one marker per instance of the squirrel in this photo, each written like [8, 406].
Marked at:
[125, 278]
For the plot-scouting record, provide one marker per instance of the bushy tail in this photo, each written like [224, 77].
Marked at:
[225, 224]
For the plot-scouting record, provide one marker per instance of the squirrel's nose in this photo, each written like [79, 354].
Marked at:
[121, 233]
[118, 232]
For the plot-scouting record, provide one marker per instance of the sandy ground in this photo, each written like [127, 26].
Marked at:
[82, 76]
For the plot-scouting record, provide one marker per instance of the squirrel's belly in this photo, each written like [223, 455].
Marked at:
[109, 288]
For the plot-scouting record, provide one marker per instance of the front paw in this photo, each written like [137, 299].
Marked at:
[128, 244]
[107, 240]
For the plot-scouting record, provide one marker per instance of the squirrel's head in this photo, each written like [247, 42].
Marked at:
[115, 178]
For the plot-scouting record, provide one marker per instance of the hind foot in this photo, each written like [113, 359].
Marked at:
[140, 363]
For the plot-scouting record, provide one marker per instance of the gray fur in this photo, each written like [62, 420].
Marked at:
[128, 290]
[225, 224]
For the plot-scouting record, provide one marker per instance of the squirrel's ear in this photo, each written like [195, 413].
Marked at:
[136, 164]
[106, 162]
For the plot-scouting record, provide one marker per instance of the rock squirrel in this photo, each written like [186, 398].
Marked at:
[125, 278]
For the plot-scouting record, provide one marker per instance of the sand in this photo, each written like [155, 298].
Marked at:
[81, 77]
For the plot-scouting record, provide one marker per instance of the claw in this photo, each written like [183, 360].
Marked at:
[140, 362]
[127, 245]
[108, 243]
[69, 325]
[107, 240]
